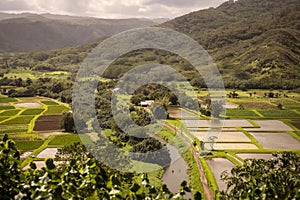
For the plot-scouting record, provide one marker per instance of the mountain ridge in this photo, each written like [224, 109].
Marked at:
[41, 32]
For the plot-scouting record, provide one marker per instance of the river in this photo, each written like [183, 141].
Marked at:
[176, 172]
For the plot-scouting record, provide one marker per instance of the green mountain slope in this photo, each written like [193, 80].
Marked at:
[43, 32]
[255, 43]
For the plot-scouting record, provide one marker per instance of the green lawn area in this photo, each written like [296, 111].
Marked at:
[52, 110]
[282, 114]
[241, 113]
[16, 128]
[34, 111]
[6, 107]
[19, 120]
[49, 103]
[28, 145]
[7, 99]
[9, 113]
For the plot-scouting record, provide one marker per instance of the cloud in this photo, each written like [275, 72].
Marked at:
[110, 8]
[13, 5]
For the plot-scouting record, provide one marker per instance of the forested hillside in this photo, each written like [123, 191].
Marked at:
[255, 43]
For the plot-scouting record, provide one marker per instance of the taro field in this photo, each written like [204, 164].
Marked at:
[35, 125]
[252, 126]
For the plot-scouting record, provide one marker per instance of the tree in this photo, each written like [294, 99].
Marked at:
[77, 180]
[68, 122]
[277, 178]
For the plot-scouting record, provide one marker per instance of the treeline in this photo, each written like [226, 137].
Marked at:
[53, 88]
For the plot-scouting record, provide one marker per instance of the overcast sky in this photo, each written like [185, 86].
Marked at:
[109, 8]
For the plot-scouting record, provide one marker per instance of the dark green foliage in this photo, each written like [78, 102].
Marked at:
[22, 93]
[68, 122]
[140, 116]
[254, 42]
[277, 178]
[9, 169]
[152, 151]
[83, 177]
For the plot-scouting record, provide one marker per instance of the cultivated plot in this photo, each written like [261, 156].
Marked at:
[180, 114]
[219, 165]
[235, 146]
[48, 153]
[48, 122]
[270, 125]
[29, 105]
[220, 123]
[282, 141]
[265, 156]
[224, 136]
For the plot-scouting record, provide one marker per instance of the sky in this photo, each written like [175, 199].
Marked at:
[109, 8]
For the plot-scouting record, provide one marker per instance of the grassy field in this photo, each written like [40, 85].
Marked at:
[50, 103]
[2, 118]
[54, 110]
[29, 74]
[7, 100]
[281, 114]
[19, 120]
[15, 128]
[34, 111]
[9, 112]
[28, 145]
[63, 140]
[6, 107]
[234, 113]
